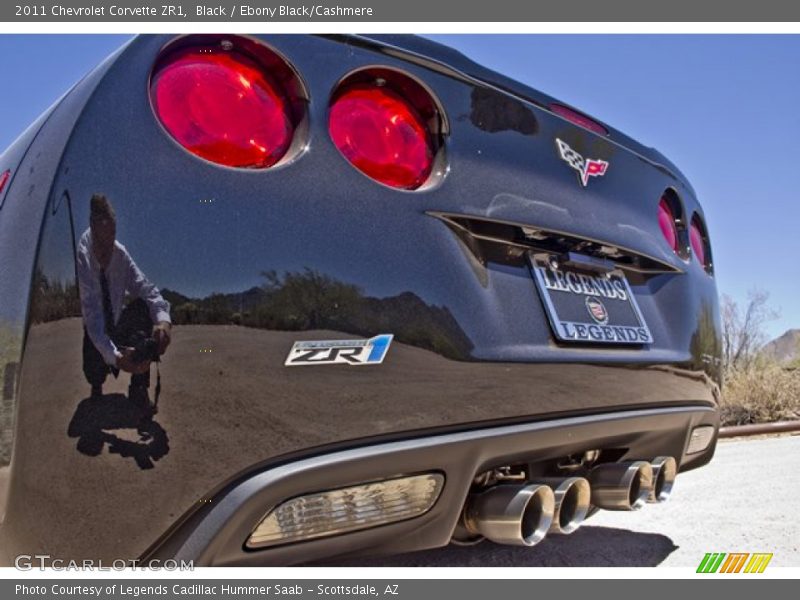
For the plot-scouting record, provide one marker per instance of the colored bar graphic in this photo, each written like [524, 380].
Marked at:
[701, 568]
[726, 565]
[758, 563]
[717, 563]
[713, 562]
[734, 562]
[740, 564]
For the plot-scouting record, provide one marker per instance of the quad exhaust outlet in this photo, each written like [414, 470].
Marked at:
[621, 486]
[522, 514]
[519, 515]
[664, 471]
[572, 503]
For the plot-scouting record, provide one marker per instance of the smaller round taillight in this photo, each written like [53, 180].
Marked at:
[232, 102]
[698, 238]
[4, 177]
[667, 223]
[387, 126]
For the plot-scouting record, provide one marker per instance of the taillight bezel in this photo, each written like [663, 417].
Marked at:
[698, 222]
[671, 236]
[271, 61]
[673, 201]
[416, 94]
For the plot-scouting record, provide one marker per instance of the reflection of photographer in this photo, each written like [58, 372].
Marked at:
[118, 337]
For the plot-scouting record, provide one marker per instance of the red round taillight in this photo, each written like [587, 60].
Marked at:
[380, 125]
[666, 221]
[699, 241]
[223, 106]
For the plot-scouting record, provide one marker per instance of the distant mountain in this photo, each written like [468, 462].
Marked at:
[785, 348]
[308, 300]
[246, 300]
[174, 298]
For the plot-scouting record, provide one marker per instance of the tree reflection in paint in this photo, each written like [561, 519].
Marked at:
[309, 300]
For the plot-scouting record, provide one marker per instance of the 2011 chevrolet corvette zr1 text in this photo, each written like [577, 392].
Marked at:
[504, 310]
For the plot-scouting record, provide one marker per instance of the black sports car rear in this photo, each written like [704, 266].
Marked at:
[412, 301]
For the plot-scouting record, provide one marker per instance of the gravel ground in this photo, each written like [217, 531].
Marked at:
[742, 501]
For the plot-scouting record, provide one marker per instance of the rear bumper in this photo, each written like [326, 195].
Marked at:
[215, 534]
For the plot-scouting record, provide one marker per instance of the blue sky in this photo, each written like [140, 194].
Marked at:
[725, 109]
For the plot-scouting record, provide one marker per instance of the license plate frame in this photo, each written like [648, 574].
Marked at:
[610, 314]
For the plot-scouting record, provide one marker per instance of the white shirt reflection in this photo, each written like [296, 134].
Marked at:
[124, 279]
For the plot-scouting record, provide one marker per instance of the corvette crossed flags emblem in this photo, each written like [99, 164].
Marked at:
[586, 167]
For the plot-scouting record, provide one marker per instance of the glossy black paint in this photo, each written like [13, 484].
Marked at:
[311, 250]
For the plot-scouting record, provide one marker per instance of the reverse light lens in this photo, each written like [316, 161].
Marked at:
[700, 439]
[347, 509]
[223, 107]
[579, 119]
[382, 135]
[666, 221]
[698, 241]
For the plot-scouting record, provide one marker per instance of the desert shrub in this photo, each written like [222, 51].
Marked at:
[763, 392]
[9, 356]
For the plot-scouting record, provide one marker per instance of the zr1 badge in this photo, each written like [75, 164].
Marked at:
[340, 352]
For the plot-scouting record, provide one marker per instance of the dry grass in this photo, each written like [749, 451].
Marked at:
[9, 350]
[761, 393]
[9, 353]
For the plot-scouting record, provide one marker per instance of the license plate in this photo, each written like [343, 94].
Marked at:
[586, 307]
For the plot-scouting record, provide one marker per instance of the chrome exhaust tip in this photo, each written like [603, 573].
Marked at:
[665, 469]
[519, 515]
[621, 486]
[572, 502]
